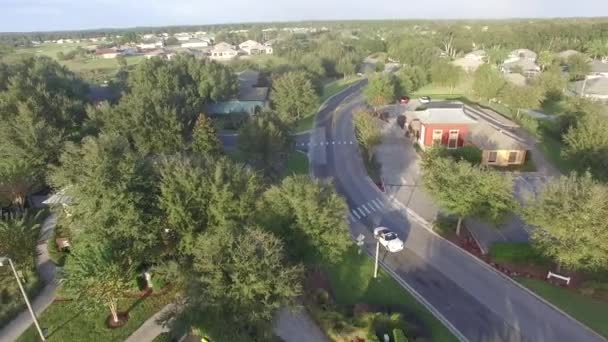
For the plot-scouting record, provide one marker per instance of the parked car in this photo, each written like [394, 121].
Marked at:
[425, 99]
[388, 239]
[404, 100]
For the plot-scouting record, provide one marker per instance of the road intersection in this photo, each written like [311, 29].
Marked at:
[472, 299]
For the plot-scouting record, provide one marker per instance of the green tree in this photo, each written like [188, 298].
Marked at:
[347, 65]
[552, 83]
[379, 91]
[410, 79]
[487, 82]
[238, 282]
[597, 48]
[545, 59]
[446, 74]
[309, 216]
[569, 215]
[121, 60]
[293, 96]
[171, 41]
[586, 145]
[265, 142]
[204, 137]
[578, 66]
[521, 97]
[497, 55]
[367, 132]
[379, 66]
[92, 275]
[19, 238]
[465, 190]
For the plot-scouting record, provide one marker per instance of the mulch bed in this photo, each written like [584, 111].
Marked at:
[123, 317]
[538, 272]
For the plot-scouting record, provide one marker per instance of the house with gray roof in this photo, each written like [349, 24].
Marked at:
[250, 99]
[593, 87]
[498, 147]
[527, 67]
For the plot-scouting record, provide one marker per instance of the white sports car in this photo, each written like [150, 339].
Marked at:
[388, 239]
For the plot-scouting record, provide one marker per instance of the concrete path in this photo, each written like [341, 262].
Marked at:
[151, 327]
[46, 270]
[297, 326]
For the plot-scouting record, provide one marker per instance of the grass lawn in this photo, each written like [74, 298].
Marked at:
[588, 311]
[437, 91]
[64, 323]
[329, 89]
[11, 301]
[352, 283]
[297, 164]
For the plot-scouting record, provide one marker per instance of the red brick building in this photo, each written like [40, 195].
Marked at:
[444, 126]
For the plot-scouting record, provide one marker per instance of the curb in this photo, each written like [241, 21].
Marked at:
[426, 225]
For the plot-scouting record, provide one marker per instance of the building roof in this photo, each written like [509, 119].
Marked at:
[599, 66]
[249, 43]
[155, 52]
[524, 63]
[487, 137]
[566, 54]
[444, 115]
[233, 106]
[248, 78]
[105, 51]
[223, 46]
[523, 53]
[59, 198]
[593, 86]
[253, 94]
[516, 79]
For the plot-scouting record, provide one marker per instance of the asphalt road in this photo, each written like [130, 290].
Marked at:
[479, 303]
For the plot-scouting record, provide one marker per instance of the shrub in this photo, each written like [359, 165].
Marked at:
[470, 153]
[517, 253]
[399, 336]
[445, 225]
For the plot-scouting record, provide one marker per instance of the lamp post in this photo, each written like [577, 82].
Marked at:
[376, 263]
[27, 302]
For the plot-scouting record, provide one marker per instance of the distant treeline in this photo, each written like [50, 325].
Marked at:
[531, 33]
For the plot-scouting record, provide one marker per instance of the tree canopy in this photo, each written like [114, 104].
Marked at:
[569, 215]
[380, 90]
[293, 96]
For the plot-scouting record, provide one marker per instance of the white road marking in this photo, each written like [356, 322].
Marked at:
[355, 213]
[367, 210]
[361, 212]
[376, 204]
[371, 206]
[333, 142]
[351, 142]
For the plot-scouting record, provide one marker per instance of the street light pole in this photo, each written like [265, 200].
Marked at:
[376, 263]
[27, 302]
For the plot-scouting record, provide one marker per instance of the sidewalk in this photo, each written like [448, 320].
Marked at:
[46, 270]
[152, 327]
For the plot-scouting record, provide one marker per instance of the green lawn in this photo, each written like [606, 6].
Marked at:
[588, 311]
[352, 283]
[329, 89]
[297, 163]
[67, 324]
[11, 300]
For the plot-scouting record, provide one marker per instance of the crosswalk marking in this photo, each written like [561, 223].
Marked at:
[365, 208]
[379, 206]
[361, 212]
[356, 215]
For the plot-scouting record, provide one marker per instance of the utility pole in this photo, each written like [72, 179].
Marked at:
[376, 263]
[27, 302]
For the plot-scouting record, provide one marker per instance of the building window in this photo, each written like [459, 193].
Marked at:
[512, 157]
[492, 156]
[437, 134]
[453, 139]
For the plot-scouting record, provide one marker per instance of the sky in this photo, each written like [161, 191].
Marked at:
[49, 15]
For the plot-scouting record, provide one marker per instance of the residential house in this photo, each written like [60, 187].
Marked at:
[564, 55]
[446, 126]
[527, 67]
[599, 68]
[593, 87]
[183, 36]
[223, 51]
[521, 54]
[498, 147]
[151, 44]
[107, 53]
[250, 100]
[471, 61]
[251, 47]
[195, 43]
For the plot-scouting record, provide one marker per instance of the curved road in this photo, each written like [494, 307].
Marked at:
[476, 302]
